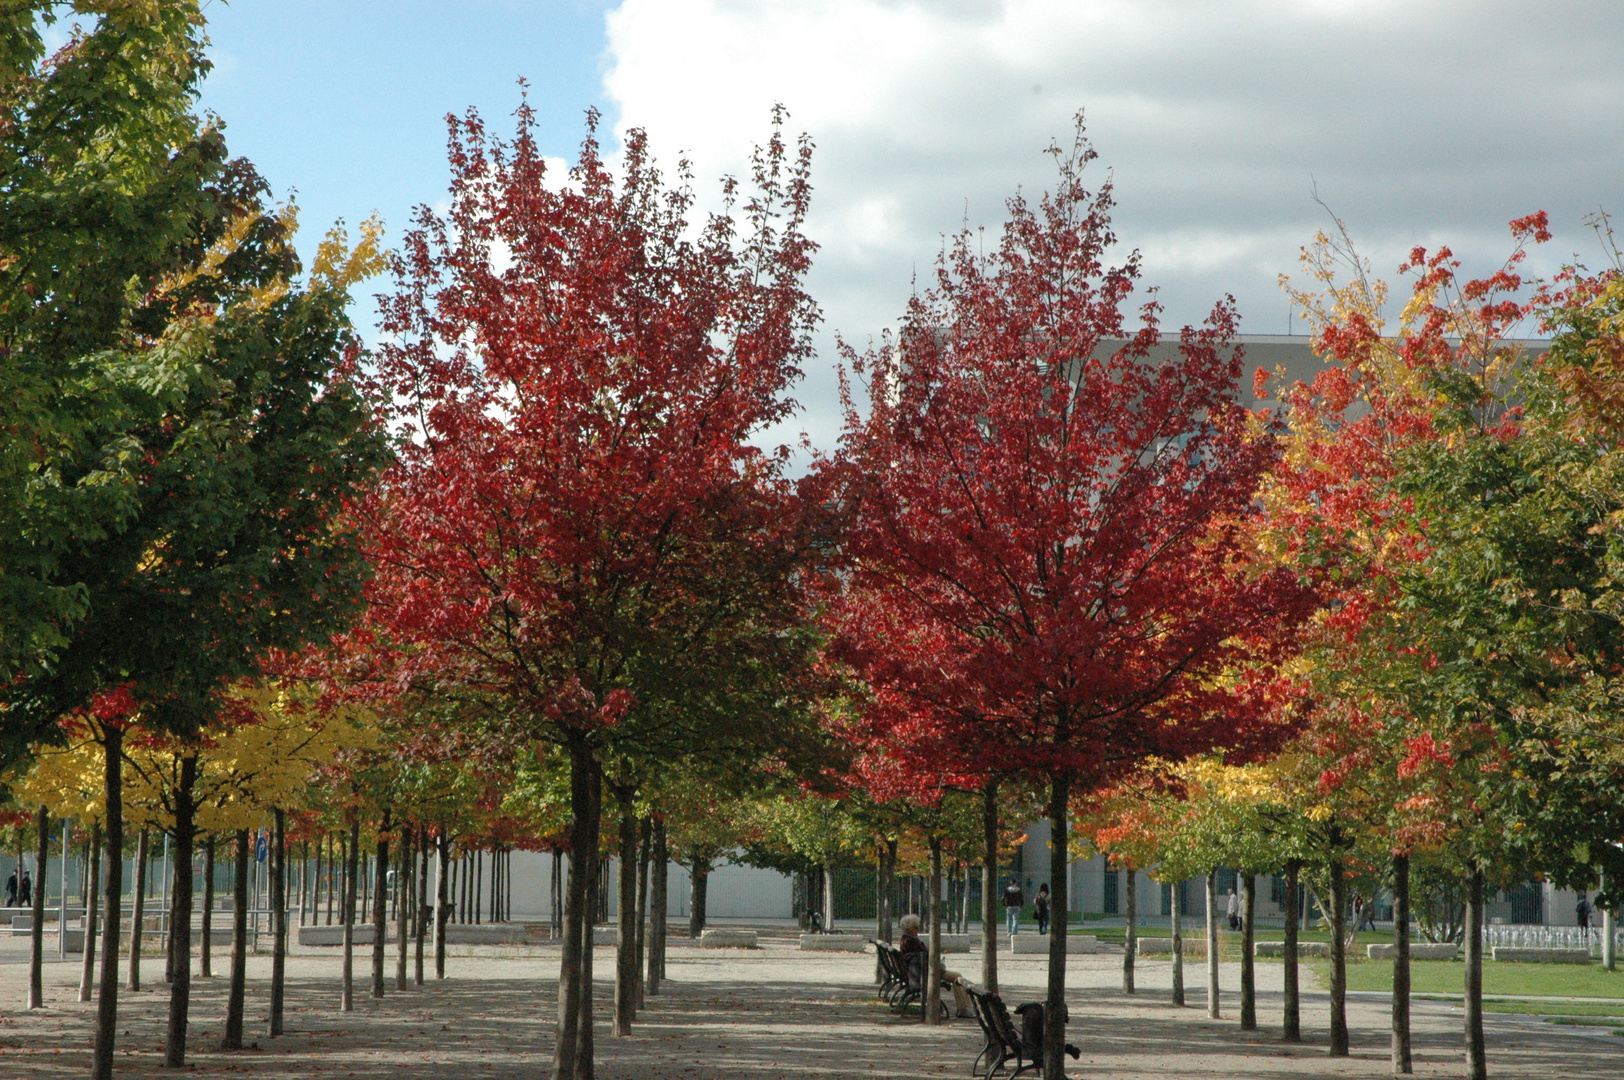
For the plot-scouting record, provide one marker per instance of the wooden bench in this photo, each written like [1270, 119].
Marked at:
[1004, 1042]
[903, 976]
[897, 988]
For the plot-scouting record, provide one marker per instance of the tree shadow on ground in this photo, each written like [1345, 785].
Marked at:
[735, 1029]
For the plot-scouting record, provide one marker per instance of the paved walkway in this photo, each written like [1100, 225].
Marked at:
[767, 1014]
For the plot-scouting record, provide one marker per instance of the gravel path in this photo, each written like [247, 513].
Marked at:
[767, 1014]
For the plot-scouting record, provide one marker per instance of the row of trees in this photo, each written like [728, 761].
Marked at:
[1453, 700]
[521, 576]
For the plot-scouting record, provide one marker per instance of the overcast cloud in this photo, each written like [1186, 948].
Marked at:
[1420, 123]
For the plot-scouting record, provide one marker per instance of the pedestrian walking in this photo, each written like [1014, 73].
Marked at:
[11, 890]
[1014, 901]
[1582, 909]
[1040, 908]
[25, 891]
[1233, 909]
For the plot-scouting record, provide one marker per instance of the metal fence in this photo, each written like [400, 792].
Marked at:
[1551, 937]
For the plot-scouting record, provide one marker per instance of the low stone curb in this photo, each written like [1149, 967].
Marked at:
[1039, 943]
[1516, 954]
[1320, 949]
[833, 943]
[1163, 947]
[1419, 950]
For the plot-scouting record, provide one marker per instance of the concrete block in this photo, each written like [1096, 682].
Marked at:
[605, 935]
[1522, 955]
[833, 943]
[332, 935]
[486, 934]
[1039, 944]
[1419, 950]
[728, 939]
[1163, 947]
[1320, 949]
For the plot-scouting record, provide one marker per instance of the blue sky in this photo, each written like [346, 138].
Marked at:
[344, 101]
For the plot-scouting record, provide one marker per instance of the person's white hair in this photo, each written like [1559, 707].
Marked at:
[909, 922]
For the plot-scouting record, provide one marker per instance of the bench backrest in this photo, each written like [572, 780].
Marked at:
[983, 1011]
[890, 960]
[1008, 1033]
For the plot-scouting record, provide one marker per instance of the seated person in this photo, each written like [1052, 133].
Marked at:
[911, 945]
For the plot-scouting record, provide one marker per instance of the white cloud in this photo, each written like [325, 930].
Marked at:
[1419, 121]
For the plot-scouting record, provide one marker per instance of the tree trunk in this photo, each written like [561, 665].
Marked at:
[380, 904]
[403, 907]
[169, 919]
[1402, 1062]
[880, 912]
[626, 920]
[1248, 885]
[113, 893]
[989, 885]
[699, 881]
[930, 998]
[1291, 1021]
[1213, 1009]
[658, 899]
[442, 897]
[577, 924]
[1130, 900]
[1476, 1063]
[479, 887]
[829, 899]
[87, 973]
[1176, 903]
[239, 944]
[585, 1035]
[1609, 930]
[351, 853]
[1054, 1006]
[966, 879]
[645, 844]
[180, 915]
[555, 897]
[1339, 962]
[279, 916]
[36, 933]
[205, 961]
[419, 920]
[332, 876]
[139, 914]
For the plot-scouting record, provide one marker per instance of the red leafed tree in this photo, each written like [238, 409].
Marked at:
[1049, 566]
[575, 370]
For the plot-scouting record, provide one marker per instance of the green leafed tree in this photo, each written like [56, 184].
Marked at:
[180, 434]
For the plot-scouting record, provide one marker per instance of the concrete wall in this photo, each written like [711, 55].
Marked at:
[735, 892]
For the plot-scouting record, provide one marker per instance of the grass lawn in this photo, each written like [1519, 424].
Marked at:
[1446, 976]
